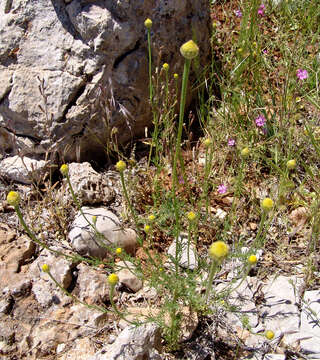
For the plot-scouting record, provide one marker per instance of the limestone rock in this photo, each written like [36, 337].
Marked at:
[187, 255]
[86, 242]
[127, 276]
[89, 58]
[133, 343]
[89, 186]
[22, 169]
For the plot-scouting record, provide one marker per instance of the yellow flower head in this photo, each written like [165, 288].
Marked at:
[64, 169]
[165, 66]
[252, 259]
[245, 152]
[207, 142]
[147, 229]
[118, 251]
[189, 50]
[148, 23]
[218, 250]
[121, 166]
[151, 218]
[176, 76]
[269, 334]
[191, 216]
[94, 219]
[291, 164]
[13, 198]
[267, 204]
[45, 268]
[113, 279]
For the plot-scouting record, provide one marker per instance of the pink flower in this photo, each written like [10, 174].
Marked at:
[265, 51]
[302, 74]
[222, 189]
[260, 121]
[261, 10]
[231, 142]
[238, 13]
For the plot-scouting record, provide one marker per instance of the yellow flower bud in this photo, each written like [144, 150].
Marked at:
[176, 76]
[269, 334]
[94, 219]
[147, 229]
[148, 23]
[113, 279]
[118, 251]
[64, 169]
[165, 66]
[13, 198]
[218, 250]
[151, 218]
[189, 50]
[207, 142]
[121, 166]
[267, 204]
[291, 164]
[245, 152]
[252, 259]
[191, 216]
[45, 268]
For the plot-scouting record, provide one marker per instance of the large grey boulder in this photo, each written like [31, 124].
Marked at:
[74, 72]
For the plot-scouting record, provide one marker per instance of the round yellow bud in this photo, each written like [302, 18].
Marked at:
[207, 142]
[269, 334]
[113, 279]
[240, 50]
[147, 229]
[218, 250]
[252, 259]
[45, 268]
[151, 218]
[267, 204]
[291, 164]
[245, 152]
[298, 99]
[13, 198]
[94, 219]
[64, 169]
[189, 50]
[121, 166]
[148, 23]
[165, 66]
[176, 76]
[191, 216]
[118, 251]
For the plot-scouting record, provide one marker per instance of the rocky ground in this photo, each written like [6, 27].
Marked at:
[38, 321]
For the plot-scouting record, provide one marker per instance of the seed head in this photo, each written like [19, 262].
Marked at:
[45, 268]
[267, 204]
[291, 164]
[165, 66]
[64, 169]
[113, 279]
[252, 259]
[191, 216]
[189, 50]
[148, 23]
[269, 334]
[218, 250]
[245, 152]
[13, 198]
[121, 166]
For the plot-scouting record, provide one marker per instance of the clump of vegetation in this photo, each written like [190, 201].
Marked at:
[258, 159]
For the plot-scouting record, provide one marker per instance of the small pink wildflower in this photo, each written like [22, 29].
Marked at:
[265, 51]
[260, 121]
[238, 13]
[261, 10]
[302, 74]
[231, 142]
[222, 189]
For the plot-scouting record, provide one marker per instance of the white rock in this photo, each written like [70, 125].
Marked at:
[24, 170]
[127, 276]
[310, 324]
[133, 343]
[221, 214]
[184, 248]
[86, 242]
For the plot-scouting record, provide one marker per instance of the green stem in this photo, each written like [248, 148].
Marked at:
[210, 279]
